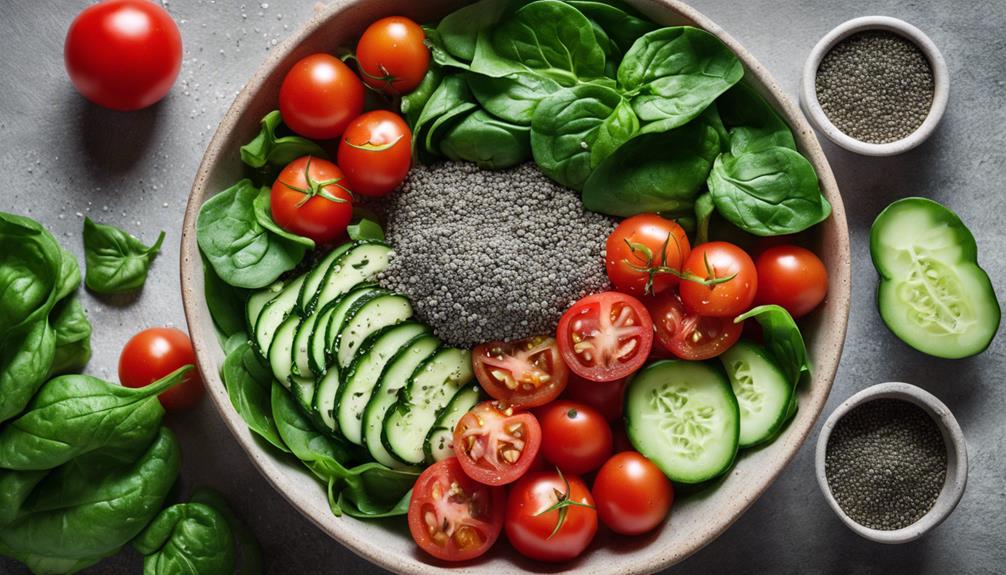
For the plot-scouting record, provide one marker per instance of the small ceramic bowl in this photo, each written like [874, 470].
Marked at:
[808, 86]
[957, 459]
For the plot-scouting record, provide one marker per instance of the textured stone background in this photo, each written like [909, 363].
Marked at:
[63, 158]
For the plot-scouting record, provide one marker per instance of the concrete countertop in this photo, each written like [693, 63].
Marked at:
[64, 158]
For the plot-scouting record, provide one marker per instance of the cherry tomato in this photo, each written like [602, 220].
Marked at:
[156, 352]
[376, 152]
[496, 446]
[309, 198]
[575, 437]
[688, 335]
[320, 96]
[605, 336]
[453, 517]
[392, 55]
[534, 524]
[791, 277]
[123, 54]
[604, 396]
[633, 496]
[639, 248]
[525, 373]
[732, 279]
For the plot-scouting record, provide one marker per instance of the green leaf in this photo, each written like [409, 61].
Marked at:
[622, 24]
[704, 209]
[266, 148]
[439, 55]
[511, 98]
[72, 331]
[263, 214]
[365, 229]
[15, 487]
[249, 384]
[116, 261]
[25, 361]
[782, 340]
[754, 125]
[69, 275]
[225, 302]
[320, 452]
[452, 99]
[248, 546]
[459, 30]
[31, 271]
[187, 538]
[413, 102]
[491, 143]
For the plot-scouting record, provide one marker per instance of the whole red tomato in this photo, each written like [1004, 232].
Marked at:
[633, 496]
[574, 437]
[642, 250]
[320, 96]
[309, 198]
[123, 54]
[156, 352]
[392, 55]
[376, 152]
[535, 525]
[791, 277]
[727, 280]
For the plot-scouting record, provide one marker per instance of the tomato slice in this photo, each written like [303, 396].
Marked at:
[496, 446]
[605, 336]
[453, 517]
[688, 335]
[525, 373]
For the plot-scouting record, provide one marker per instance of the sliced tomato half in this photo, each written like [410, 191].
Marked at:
[688, 335]
[605, 336]
[494, 445]
[525, 373]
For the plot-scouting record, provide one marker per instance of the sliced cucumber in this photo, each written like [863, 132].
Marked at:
[429, 390]
[338, 318]
[324, 398]
[369, 315]
[364, 372]
[302, 389]
[307, 299]
[762, 391]
[274, 313]
[280, 350]
[302, 346]
[316, 343]
[257, 301]
[394, 377]
[683, 416]
[361, 263]
[439, 443]
[933, 294]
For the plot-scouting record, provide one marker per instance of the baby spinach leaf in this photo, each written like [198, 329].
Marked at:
[263, 214]
[491, 143]
[187, 539]
[654, 172]
[242, 252]
[15, 487]
[768, 193]
[451, 100]
[365, 229]
[266, 148]
[249, 384]
[575, 129]
[782, 340]
[321, 453]
[413, 102]
[512, 98]
[24, 366]
[250, 562]
[74, 415]
[439, 55]
[225, 302]
[672, 74]
[459, 30]
[622, 24]
[754, 125]
[69, 275]
[371, 491]
[31, 266]
[116, 261]
[72, 331]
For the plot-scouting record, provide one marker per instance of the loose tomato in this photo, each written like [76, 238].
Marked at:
[320, 96]
[392, 55]
[123, 54]
[376, 152]
[575, 437]
[496, 446]
[688, 335]
[525, 373]
[550, 517]
[643, 254]
[310, 199]
[633, 496]
[451, 516]
[605, 336]
[156, 352]
[791, 277]
[605, 396]
[725, 280]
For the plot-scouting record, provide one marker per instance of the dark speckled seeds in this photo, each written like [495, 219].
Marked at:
[886, 463]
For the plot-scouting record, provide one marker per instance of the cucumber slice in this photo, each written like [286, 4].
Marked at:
[324, 398]
[274, 313]
[366, 317]
[308, 297]
[360, 264]
[365, 371]
[338, 318]
[683, 416]
[763, 393]
[394, 377]
[280, 350]
[316, 343]
[933, 294]
[439, 444]
[429, 390]
[257, 301]
[301, 351]
[302, 389]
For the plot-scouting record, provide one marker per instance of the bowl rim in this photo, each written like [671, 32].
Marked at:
[204, 340]
[812, 107]
[957, 459]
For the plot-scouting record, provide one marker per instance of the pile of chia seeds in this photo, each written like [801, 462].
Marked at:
[492, 255]
[885, 463]
[875, 86]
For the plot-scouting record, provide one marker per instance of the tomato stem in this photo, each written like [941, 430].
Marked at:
[562, 504]
[316, 188]
[372, 147]
[651, 268]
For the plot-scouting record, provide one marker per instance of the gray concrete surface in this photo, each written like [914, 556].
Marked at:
[63, 158]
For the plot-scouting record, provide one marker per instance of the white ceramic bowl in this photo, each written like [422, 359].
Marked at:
[695, 520]
[957, 459]
[808, 85]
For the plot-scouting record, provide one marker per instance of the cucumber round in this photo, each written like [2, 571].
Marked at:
[683, 416]
[762, 391]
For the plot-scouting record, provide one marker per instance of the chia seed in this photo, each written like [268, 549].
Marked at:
[491, 255]
[875, 86]
[885, 463]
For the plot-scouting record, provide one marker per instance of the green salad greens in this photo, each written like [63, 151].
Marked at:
[116, 261]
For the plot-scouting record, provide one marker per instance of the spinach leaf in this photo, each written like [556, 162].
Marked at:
[622, 24]
[489, 142]
[768, 193]
[512, 98]
[116, 261]
[575, 129]
[439, 55]
[672, 74]
[372, 491]
[72, 331]
[69, 275]
[249, 384]
[15, 487]
[242, 252]
[263, 214]
[225, 302]
[266, 148]
[187, 539]
[365, 229]
[782, 340]
[451, 100]
[459, 30]
[31, 269]
[413, 102]
[248, 547]
[754, 125]
[321, 453]
[74, 415]
[86, 510]
[660, 172]
[24, 366]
